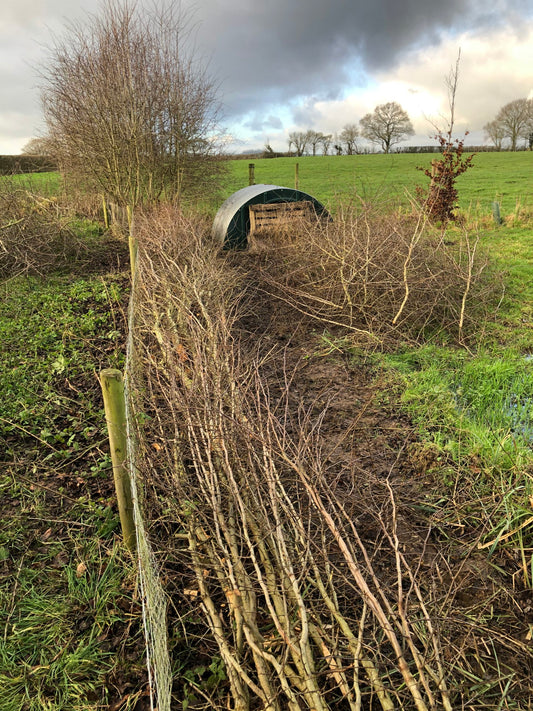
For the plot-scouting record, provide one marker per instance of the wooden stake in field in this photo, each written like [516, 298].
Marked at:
[106, 213]
[251, 173]
[296, 175]
[132, 241]
[115, 413]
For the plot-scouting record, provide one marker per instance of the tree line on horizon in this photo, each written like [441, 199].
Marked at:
[513, 122]
[386, 126]
[389, 124]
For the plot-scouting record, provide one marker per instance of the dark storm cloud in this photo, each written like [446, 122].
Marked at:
[266, 51]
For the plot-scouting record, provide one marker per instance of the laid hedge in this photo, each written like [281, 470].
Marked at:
[10, 165]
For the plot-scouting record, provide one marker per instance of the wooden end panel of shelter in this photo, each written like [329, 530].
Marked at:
[279, 214]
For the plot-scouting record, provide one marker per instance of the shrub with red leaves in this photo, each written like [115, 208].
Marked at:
[442, 195]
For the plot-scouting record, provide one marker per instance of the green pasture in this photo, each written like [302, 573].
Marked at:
[46, 184]
[385, 179]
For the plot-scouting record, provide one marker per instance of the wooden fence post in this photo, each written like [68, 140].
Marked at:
[251, 173]
[296, 175]
[115, 414]
[106, 213]
[132, 240]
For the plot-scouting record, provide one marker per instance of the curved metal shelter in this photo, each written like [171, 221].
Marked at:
[231, 225]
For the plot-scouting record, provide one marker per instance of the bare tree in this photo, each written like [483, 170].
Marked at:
[300, 140]
[515, 120]
[326, 142]
[348, 136]
[314, 139]
[388, 125]
[495, 132]
[337, 145]
[129, 109]
[39, 146]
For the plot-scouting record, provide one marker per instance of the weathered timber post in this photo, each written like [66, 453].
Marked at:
[296, 175]
[251, 173]
[106, 213]
[132, 241]
[115, 414]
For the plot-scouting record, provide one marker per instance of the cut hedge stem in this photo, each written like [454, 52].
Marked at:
[115, 413]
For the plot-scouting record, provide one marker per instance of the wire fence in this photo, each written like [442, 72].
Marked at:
[154, 605]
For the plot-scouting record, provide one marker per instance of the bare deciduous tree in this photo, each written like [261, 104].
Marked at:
[300, 140]
[388, 125]
[128, 107]
[36, 147]
[495, 132]
[515, 120]
[314, 139]
[348, 136]
[326, 142]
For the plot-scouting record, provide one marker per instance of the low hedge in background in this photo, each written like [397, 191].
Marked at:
[10, 165]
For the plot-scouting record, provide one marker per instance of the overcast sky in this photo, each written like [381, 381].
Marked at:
[287, 65]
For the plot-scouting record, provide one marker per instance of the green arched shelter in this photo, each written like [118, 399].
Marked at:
[231, 225]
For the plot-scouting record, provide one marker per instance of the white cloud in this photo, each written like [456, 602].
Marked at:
[494, 68]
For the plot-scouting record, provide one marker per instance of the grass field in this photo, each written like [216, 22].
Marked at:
[385, 179]
[503, 177]
[46, 184]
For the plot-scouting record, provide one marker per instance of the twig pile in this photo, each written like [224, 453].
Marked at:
[33, 238]
[383, 276]
[301, 569]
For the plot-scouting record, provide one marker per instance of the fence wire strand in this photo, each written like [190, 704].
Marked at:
[154, 607]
